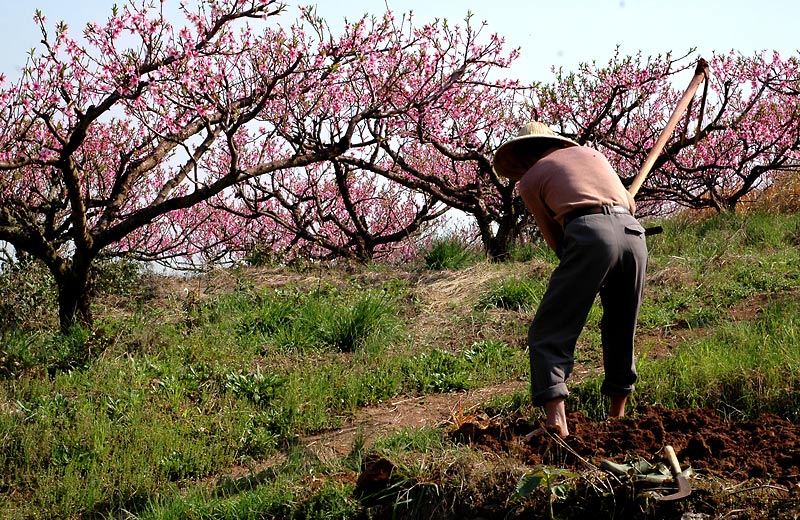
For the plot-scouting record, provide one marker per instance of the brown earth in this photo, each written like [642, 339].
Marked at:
[738, 469]
[767, 448]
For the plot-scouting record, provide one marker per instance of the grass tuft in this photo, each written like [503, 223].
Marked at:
[450, 253]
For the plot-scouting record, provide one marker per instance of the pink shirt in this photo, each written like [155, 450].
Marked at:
[568, 179]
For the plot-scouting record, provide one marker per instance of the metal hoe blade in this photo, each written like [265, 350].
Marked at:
[684, 489]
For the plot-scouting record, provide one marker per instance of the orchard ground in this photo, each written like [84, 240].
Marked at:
[739, 468]
[188, 399]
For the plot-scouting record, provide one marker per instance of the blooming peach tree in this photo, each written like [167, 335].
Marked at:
[331, 211]
[728, 147]
[411, 164]
[735, 137]
[196, 139]
[130, 141]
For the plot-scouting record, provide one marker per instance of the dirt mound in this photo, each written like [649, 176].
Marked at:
[747, 469]
[767, 448]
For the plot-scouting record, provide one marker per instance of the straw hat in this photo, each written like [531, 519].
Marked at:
[532, 139]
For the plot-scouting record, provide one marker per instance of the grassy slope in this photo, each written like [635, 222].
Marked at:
[185, 384]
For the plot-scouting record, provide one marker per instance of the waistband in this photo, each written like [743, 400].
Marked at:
[595, 210]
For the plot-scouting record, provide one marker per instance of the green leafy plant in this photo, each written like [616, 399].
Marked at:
[556, 481]
[27, 295]
[118, 276]
[260, 388]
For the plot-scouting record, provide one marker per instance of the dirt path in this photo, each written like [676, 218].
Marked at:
[411, 412]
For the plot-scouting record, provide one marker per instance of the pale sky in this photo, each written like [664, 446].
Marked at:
[550, 33]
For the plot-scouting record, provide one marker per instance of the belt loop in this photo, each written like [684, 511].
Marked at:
[606, 210]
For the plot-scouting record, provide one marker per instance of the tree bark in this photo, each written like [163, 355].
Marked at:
[74, 298]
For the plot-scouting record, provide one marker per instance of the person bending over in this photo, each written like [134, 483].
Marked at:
[585, 215]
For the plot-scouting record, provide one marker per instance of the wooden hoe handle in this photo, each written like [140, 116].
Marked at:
[700, 74]
[669, 452]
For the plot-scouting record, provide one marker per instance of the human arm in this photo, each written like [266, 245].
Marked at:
[551, 230]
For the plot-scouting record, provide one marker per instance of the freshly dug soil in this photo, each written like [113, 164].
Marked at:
[766, 448]
[747, 469]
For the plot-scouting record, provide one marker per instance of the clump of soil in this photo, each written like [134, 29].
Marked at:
[765, 448]
[747, 469]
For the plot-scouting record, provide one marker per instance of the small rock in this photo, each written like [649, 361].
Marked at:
[694, 516]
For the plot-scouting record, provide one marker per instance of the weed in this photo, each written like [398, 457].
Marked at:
[527, 251]
[441, 371]
[450, 253]
[16, 354]
[549, 479]
[354, 326]
[259, 388]
[292, 320]
[437, 371]
[460, 415]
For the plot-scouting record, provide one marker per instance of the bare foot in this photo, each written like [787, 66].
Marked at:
[556, 417]
[553, 430]
[556, 422]
[617, 407]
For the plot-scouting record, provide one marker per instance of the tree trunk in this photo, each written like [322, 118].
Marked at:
[497, 244]
[500, 245]
[498, 236]
[74, 298]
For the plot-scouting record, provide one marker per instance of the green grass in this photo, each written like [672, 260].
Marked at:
[727, 265]
[521, 294]
[149, 411]
[118, 418]
[450, 253]
[278, 492]
[744, 369]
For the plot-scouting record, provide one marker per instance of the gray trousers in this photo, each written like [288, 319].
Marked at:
[604, 254]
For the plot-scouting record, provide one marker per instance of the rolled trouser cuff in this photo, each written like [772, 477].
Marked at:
[557, 391]
[613, 390]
